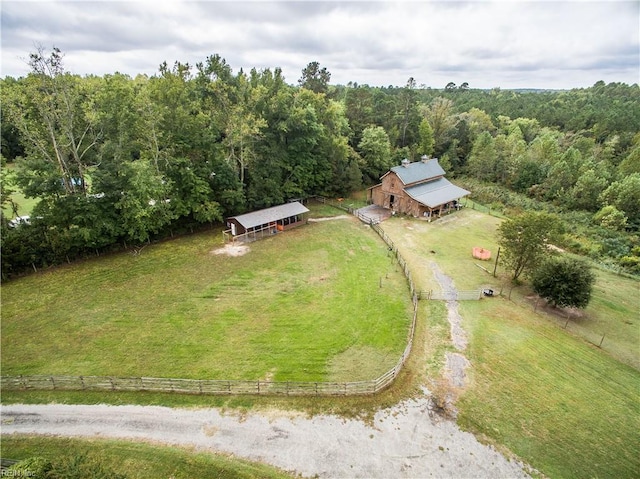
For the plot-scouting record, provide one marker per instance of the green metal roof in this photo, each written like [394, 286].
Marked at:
[418, 171]
[437, 192]
[269, 215]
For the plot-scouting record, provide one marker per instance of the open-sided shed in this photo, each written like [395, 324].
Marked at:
[267, 221]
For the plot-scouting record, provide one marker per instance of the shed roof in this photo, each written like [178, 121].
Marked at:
[418, 171]
[269, 215]
[436, 192]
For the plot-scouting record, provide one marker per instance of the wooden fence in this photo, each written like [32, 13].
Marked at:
[198, 386]
[249, 236]
[231, 387]
[340, 205]
[349, 209]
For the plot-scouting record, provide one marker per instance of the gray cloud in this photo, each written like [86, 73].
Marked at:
[505, 43]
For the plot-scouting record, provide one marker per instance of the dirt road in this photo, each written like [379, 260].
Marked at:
[404, 441]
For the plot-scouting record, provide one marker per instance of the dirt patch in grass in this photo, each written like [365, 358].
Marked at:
[541, 305]
[231, 249]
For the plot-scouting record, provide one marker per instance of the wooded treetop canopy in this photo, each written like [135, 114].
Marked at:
[270, 215]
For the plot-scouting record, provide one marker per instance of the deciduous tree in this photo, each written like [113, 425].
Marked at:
[375, 149]
[610, 217]
[625, 196]
[426, 138]
[442, 120]
[584, 195]
[564, 282]
[53, 111]
[483, 158]
[525, 240]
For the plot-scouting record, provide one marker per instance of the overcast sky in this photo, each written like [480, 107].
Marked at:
[506, 44]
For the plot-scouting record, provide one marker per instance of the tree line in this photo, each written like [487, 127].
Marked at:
[117, 161]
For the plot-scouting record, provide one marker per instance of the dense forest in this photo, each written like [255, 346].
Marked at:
[116, 161]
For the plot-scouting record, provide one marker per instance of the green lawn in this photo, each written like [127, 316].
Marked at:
[298, 306]
[557, 401]
[564, 406]
[614, 310]
[449, 242]
[137, 460]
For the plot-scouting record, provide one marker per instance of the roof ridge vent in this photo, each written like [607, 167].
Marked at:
[405, 162]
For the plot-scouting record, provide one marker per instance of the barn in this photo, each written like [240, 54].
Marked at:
[268, 221]
[418, 189]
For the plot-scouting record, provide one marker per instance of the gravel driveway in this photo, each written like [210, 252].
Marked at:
[404, 441]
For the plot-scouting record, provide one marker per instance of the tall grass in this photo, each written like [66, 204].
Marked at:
[136, 460]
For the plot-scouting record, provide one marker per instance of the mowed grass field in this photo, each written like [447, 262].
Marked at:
[305, 305]
[549, 395]
[614, 310]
